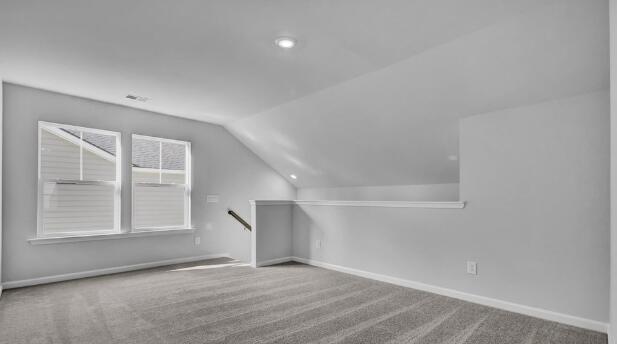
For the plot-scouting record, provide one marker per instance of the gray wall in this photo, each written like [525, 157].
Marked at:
[272, 235]
[536, 180]
[221, 165]
[412, 193]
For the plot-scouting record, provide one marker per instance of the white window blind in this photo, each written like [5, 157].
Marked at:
[161, 183]
[79, 181]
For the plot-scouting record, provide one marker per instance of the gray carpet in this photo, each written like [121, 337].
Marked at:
[222, 301]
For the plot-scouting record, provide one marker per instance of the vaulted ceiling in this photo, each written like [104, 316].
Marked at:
[399, 124]
[370, 96]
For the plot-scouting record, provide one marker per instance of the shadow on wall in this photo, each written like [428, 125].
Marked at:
[412, 193]
[308, 236]
[536, 179]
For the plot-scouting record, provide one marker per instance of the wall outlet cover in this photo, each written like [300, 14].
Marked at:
[212, 198]
[472, 268]
[318, 243]
[197, 241]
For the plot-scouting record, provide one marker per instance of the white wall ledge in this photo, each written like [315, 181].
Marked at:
[78, 238]
[384, 204]
[271, 202]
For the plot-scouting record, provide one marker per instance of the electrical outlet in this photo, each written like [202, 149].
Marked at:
[197, 241]
[472, 268]
[212, 198]
[317, 243]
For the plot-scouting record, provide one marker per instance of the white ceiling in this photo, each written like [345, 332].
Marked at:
[399, 125]
[215, 60]
[371, 95]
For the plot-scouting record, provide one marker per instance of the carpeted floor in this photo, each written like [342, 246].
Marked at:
[222, 301]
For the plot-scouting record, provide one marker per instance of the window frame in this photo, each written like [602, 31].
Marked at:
[187, 185]
[117, 184]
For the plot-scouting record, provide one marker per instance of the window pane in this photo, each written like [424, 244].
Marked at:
[99, 157]
[173, 165]
[174, 156]
[158, 161]
[146, 153]
[74, 164]
[145, 175]
[146, 161]
[175, 177]
[76, 208]
[59, 155]
[158, 207]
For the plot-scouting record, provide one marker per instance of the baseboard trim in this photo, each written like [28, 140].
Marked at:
[274, 261]
[106, 271]
[486, 301]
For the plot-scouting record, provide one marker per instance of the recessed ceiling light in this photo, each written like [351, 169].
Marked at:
[293, 176]
[285, 42]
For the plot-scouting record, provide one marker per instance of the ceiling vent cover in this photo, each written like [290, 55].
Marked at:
[137, 98]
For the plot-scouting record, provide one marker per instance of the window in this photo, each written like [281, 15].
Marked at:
[161, 183]
[78, 181]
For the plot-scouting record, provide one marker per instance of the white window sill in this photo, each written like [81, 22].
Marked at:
[78, 238]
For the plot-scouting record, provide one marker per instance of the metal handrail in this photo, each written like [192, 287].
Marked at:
[239, 219]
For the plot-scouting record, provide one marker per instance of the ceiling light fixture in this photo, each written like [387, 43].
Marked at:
[293, 176]
[285, 42]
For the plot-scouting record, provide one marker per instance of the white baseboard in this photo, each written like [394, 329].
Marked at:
[486, 301]
[505, 305]
[274, 261]
[106, 271]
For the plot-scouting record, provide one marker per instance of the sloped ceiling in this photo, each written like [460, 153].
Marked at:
[371, 95]
[399, 124]
[215, 60]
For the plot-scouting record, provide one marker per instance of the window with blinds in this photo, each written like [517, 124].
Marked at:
[79, 181]
[161, 183]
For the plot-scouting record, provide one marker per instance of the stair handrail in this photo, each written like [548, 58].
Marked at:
[239, 219]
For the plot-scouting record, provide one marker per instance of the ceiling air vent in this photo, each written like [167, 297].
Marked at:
[137, 98]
